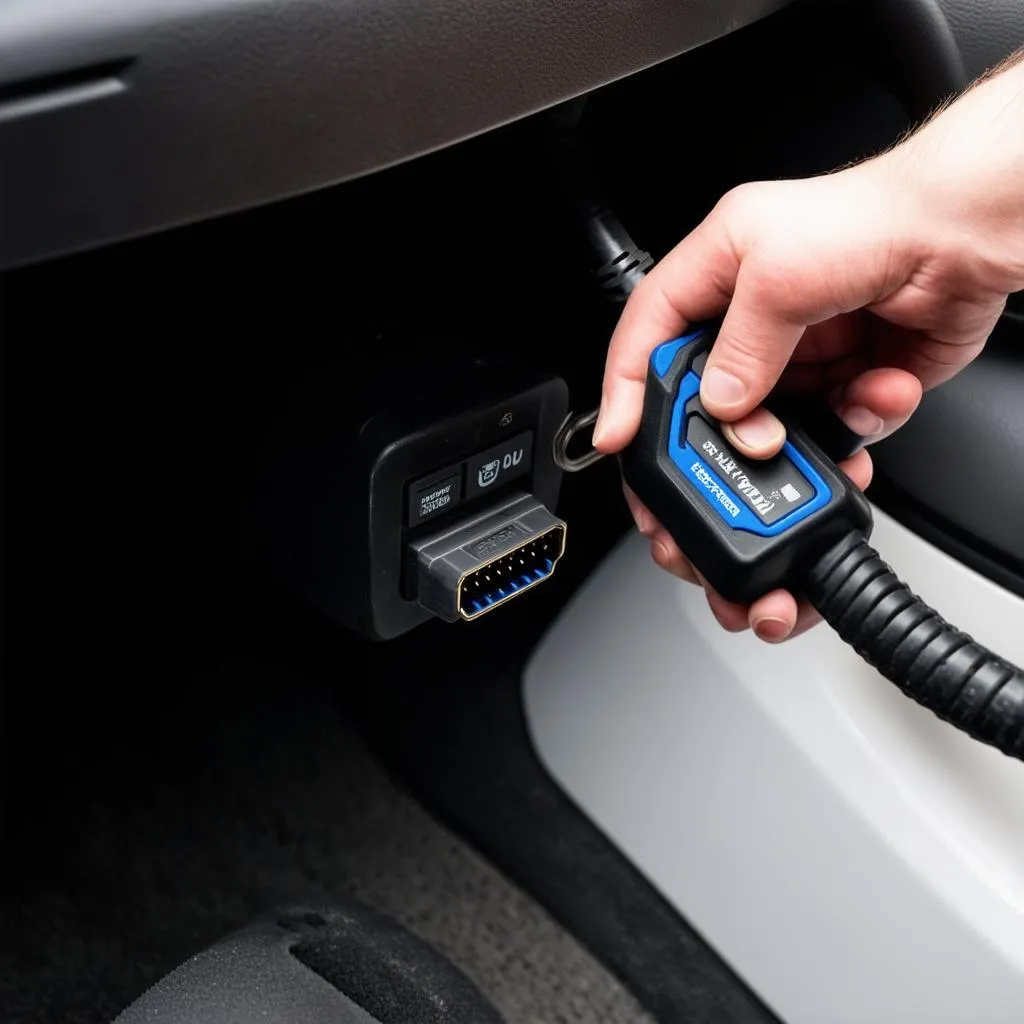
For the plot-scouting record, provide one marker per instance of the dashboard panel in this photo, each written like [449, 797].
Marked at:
[121, 117]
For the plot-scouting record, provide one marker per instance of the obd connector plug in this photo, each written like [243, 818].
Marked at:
[476, 565]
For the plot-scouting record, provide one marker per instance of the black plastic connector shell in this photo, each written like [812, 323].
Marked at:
[739, 564]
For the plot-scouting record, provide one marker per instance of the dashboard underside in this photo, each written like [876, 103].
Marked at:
[121, 117]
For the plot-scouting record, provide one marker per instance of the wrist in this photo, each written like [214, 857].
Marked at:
[965, 170]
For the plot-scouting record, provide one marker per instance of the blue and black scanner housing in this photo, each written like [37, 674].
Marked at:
[748, 525]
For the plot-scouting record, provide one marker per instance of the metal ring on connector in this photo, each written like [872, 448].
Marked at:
[570, 427]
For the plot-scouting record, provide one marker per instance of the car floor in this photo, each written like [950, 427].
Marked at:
[151, 831]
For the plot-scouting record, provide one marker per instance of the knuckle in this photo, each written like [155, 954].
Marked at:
[771, 277]
[741, 198]
[746, 354]
[742, 210]
[651, 295]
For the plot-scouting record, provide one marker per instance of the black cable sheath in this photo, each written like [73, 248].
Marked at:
[617, 263]
[909, 643]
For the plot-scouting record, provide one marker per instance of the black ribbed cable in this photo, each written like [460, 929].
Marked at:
[910, 644]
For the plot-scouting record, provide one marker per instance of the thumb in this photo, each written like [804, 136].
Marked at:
[754, 344]
[693, 282]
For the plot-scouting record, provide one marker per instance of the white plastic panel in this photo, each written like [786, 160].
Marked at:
[852, 857]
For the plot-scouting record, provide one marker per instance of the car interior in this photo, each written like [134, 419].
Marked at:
[273, 275]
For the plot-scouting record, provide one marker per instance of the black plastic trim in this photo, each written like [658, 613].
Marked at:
[29, 96]
[921, 519]
[954, 475]
[915, 50]
[235, 104]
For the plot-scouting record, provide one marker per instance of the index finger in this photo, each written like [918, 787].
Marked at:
[693, 282]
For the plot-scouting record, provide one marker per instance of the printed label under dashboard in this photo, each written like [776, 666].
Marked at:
[490, 469]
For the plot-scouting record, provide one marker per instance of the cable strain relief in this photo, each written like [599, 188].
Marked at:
[619, 276]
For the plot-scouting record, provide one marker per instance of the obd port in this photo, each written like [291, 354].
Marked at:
[510, 575]
[479, 564]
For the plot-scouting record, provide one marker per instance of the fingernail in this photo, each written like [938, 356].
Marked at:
[721, 387]
[862, 420]
[772, 630]
[759, 430]
[604, 416]
[645, 524]
[643, 520]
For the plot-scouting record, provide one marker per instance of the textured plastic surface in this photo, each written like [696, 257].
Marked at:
[986, 31]
[917, 50]
[337, 964]
[959, 459]
[850, 855]
[224, 104]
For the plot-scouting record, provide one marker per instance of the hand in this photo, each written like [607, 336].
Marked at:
[854, 284]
